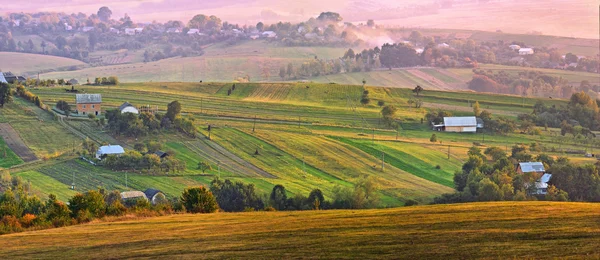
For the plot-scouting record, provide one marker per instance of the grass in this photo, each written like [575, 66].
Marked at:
[7, 156]
[44, 185]
[476, 230]
[26, 63]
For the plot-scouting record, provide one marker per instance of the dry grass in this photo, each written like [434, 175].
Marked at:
[477, 230]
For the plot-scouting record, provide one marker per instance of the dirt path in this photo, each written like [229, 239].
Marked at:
[14, 142]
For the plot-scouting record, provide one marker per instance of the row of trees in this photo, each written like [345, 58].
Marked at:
[148, 163]
[581, 112]
[528, 83]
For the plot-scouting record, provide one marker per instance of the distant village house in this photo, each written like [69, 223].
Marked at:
[88, 104]
[526, 51]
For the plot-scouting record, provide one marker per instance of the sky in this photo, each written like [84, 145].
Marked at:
[572, 18]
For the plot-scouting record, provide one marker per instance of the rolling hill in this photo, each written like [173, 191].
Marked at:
[31, 64]
[476, 230]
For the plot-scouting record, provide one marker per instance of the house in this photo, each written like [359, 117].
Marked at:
[2, 79]
[138, 30]
[173, 30]
[68, 27]
[443, 45]
[527, 167]
[109, 150]
[133, 195]
[254, 36]
[153, 194]
[514, 47]
[114, 30]
[87, 28]
[128, 108]
[541, 186]
[88, 104]
[525, 51]
[465, 124]
[129, 31]
[73, 82]
[419, 50]
[193, 31]
[161, 154]
[11, 78]
[269, 34]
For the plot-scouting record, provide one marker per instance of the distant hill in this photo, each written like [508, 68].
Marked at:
[30, 64]
[476, 230]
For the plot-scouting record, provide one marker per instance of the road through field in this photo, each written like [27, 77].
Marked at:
[15, 143]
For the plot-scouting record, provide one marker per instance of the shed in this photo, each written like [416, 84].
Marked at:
[109, 150]
[128, 108]
[514, 47]
[152, 194]
[465, 124]
[526, 51]
[129, 195]
[161, 154]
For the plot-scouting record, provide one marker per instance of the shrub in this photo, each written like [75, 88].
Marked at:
[411, 202]
[438, 167]
[199, 200]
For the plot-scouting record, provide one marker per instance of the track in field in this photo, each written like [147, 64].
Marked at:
[14, 142]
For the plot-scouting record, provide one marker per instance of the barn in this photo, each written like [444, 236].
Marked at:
[88, 104]
[465, 124]
[128, 108]
[109, 150]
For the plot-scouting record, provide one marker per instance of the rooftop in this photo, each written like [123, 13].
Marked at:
[132, 194]
[88, 98]
[460, 121]
[111, 149]
[532, 167]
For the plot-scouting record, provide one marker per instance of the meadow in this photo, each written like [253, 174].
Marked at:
[7, 156]
[474, 230]
[31, 64]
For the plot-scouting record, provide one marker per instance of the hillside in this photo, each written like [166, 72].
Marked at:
[31, 64]
[477, 230]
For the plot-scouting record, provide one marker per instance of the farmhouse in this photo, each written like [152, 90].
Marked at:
[161, 154]
[128, 108]
[465, 124]
[11, 78]
[269, 34]
[514, 47]
[129, 31]
[173, 30]
[88, 104]
[193, 31]
[525, 51]
[541, 186]
[73, 82]
[443, 45]
[109, 150]
[152, 195]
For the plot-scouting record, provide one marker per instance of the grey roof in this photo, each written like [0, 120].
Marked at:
[460, 121]
[2, 79]
[126, 104]
[88, 98]
[132, 195]
[546, 178]
[161, 154]
[111, 149]
[532, 167]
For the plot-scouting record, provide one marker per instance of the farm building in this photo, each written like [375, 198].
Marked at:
[128, 108]
[2, 79]
[129, 31]
[541, 186]
[193, 31]
[133, 195]
[161, 154]
[173, 30]
[153, 194]
[109, 150]
[526, 51]
[465, 124]
[88, 104]
[514, 47]
[527, 167]
[73, 82]
[11, 78]
[269, 34]
[443, 45]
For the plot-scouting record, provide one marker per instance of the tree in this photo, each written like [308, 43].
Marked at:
[389, 114]
[381, 103]
[476, 108]
[370, 23]
[489, 191]
[93, 40]
[278, 197]
[418, 89]
[5, 94]
[104, 13]
[433, 138]
[43, 45]
[204, 166]
[173, 110]
[236, 197]
[316, 199]
[282, 72]
[198, 200]
[260, 26]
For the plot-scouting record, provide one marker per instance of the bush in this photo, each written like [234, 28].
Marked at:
[411, 202]
[199, 200]
[438, 167]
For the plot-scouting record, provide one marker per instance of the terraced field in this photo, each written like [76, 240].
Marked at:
[7, 156]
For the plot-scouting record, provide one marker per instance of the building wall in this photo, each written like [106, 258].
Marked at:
[85, 109]
[461, 129]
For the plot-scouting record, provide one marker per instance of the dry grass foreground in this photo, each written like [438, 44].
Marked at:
[478, 230]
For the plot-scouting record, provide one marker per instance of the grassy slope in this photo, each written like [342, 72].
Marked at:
[33, 63]
[477, 230]
[7, 157]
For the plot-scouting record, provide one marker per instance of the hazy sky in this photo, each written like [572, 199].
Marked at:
[576, 18]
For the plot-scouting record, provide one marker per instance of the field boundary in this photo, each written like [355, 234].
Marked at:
[15, 143]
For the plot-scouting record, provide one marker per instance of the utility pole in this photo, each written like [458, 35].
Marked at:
[298, 121]
[73, 184]
[448, 152]
[396, 135]
[126, 186]
[483, 131]
[219, 168]
[254, 125]
[201, 99]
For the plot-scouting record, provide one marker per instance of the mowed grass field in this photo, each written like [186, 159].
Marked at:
[501, 230]
[31, 64]
[7, 157]
[219, 63]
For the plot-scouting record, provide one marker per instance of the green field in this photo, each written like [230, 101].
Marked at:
[503, 230]
[7, 157]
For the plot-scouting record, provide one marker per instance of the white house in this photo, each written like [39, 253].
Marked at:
[129, 31]
[68, 27]
[419, 50]
[269, 34]
[514, 47]
[128, 108]
[443, 45]
[87, 28]
[139, 30]
[527, 167]
[173, 30]
[542, 184]
[465, 124]
[109, 150]
[114, 30]
[526, 51]
[193, 31]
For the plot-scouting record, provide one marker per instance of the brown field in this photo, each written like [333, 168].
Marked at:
[500, 230]
[14, 142]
